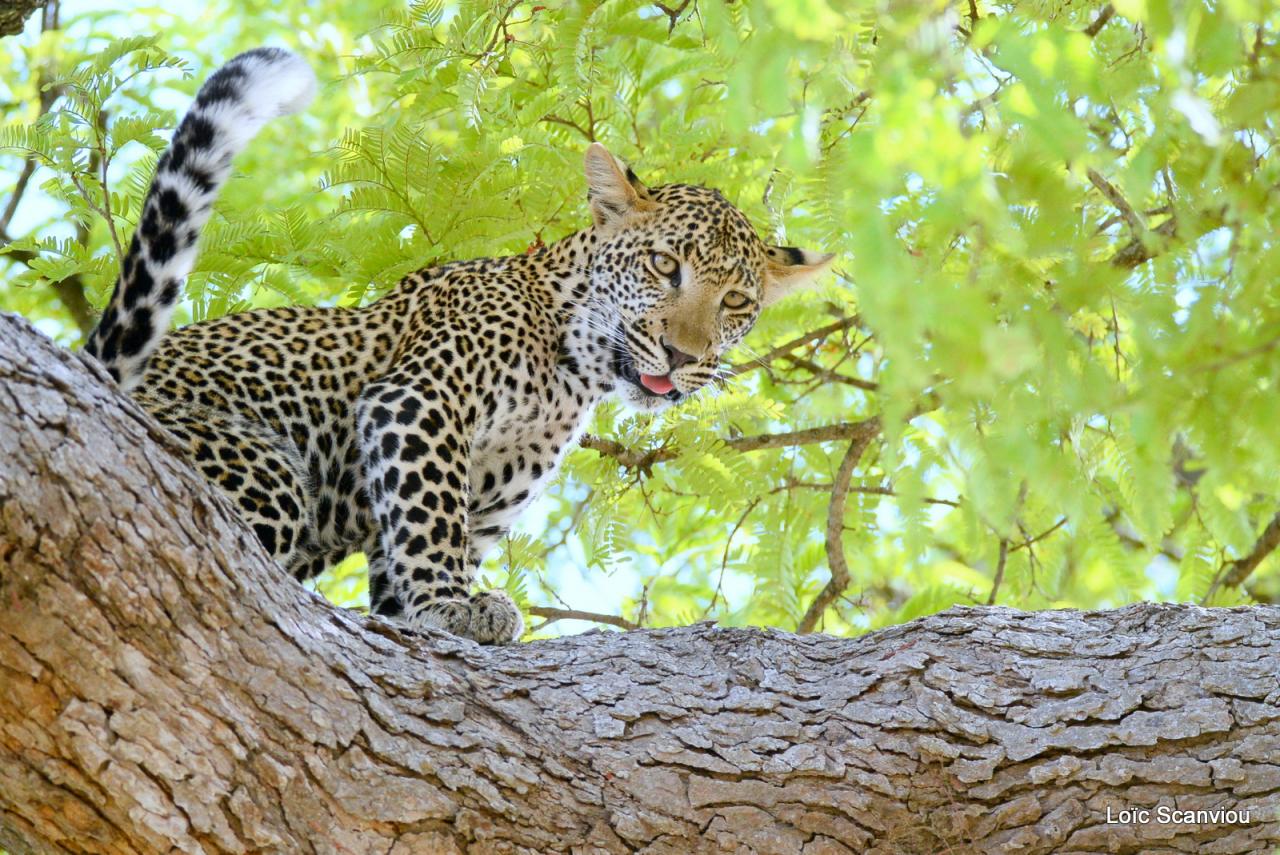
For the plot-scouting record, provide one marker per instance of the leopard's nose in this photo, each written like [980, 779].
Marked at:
[676, 357]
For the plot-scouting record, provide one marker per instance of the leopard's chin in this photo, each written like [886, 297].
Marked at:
[640, 401]
[632, 390]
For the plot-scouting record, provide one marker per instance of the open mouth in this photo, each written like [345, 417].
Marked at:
[654, 385]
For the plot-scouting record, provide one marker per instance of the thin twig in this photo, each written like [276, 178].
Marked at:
[498, 32]
[724, 559]
[835, 530]
[859, 102]
[792, 484]
[552, 615]
[628, 458]
[550, 117]
[1004, 545]
[1139, 250]
[864, 430]
[781, 350]
[1115, 328]
[829, 375]
[1231, 359]
[673, 15]
[1126, 536]
[591, 117]
[104, 161]
[573, 524]
[1026, 544]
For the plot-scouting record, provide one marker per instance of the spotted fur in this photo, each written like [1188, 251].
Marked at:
[418, 428]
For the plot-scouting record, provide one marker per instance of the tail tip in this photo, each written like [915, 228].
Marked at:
[282, 78]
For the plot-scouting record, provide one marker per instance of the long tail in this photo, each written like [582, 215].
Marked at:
[232, 106]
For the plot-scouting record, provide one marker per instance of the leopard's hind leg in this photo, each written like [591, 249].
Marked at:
[258, 469]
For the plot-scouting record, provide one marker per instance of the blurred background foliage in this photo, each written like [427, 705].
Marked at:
[1044, 374]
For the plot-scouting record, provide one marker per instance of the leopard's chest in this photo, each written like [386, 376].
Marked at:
[518, 453]
[516, 457]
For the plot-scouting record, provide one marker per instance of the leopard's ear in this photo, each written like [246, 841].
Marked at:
[790, 269]
[613, 189]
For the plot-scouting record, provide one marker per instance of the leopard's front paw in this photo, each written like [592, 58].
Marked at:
[490, 617]
[451, 615]
[495, 618]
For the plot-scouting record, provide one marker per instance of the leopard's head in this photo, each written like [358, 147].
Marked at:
[678, 276]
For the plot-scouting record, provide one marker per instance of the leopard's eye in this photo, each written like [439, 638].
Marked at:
[665, 264]
[735, 300]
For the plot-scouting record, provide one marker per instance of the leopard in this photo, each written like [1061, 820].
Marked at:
[418, 427]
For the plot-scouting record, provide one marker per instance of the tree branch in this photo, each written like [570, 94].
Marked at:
[863, 431]
[166, 687]
[644, 461]
[70, 291]
[1000, 565]
[1233, 573]
[1108, 11]
[1143, 248]
[627, 458]
[871, 490]
[1116, 198]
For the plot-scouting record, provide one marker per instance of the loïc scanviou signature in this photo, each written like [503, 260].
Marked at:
[1173, 816]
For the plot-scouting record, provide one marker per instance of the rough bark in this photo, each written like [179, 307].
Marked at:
[163, 687]
[14, 14]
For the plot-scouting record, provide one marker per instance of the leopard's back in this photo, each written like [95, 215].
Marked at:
[264, 402]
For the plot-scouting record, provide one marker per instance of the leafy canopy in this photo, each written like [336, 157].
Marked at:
[1056, 233]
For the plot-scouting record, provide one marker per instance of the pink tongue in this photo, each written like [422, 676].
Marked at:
[657, 385]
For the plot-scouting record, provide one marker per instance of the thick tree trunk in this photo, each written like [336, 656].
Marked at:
[14, 14]
[163, 686]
